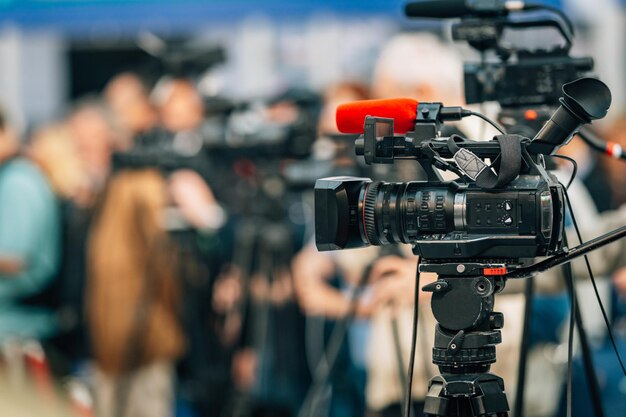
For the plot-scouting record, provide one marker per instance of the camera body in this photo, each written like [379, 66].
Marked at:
[519, 77]
[532, 81]
[444, 220]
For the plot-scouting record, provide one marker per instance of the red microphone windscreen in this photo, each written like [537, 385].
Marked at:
[351, 116]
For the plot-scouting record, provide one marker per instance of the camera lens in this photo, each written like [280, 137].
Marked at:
[400, 212]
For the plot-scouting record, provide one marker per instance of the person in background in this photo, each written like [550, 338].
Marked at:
[322, 286]
[179, 105]
[54, 147]
[429, 70]
[96, 137]
[127, 97]
[29, 236]
[316, 296]
[32, 181]
[210, 316]
[81, 145]
[133, 298]
[390, 278]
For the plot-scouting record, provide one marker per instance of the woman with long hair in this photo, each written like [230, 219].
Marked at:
[133, 298]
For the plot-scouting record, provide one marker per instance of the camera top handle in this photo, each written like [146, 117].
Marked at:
[583, 101]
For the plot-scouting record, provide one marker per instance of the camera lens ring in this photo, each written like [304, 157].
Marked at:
[369, 213]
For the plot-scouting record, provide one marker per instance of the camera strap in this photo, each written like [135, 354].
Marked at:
[508, 164]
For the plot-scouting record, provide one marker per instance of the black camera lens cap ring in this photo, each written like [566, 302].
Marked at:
[369, 213]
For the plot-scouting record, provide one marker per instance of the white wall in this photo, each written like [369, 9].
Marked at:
[33, 75]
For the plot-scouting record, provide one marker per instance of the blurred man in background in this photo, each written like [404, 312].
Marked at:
[179, 105]
[32, 180]
[29, 239]
[95, 133]
[129, 101]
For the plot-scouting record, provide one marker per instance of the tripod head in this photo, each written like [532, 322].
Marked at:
[468, 329]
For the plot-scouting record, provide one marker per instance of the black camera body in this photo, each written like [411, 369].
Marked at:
[534, 80]
[446, 221]
[443, 220]
[533, 77]
[520, 76]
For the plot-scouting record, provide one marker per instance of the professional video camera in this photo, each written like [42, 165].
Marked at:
[516, 76]
[515, 213]
[243, 152]
[519, 76]
[283, 126]
[504, 209]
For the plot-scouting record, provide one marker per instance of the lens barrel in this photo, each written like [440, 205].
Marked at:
[443, 221]
[400, 212]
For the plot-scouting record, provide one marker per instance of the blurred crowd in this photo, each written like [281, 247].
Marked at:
[157, 258]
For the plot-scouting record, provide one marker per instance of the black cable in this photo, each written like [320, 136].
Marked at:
[395, 331]
[570, 343]
[493, 123]
[574, 168]
[408, 404]
[612, 149]
[595, 289]
[585, 347]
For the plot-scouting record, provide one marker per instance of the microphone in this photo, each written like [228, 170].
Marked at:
[447, 9]
[437, 9]
[351, 116]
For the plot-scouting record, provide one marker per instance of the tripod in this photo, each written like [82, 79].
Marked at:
[465, 337]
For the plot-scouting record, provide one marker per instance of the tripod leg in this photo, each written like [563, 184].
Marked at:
[436, 404]
[521, 369]
[592, 379]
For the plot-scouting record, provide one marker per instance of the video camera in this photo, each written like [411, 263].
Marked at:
[520, 76]
[510, 209]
